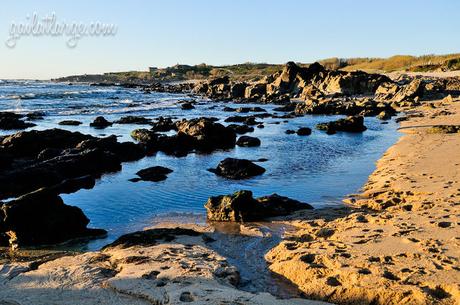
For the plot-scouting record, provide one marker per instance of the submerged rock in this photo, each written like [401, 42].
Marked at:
[187, 106]
[70, 123]
[241, 129]
[242, 207]
[247, 141]
[154, 173]
[349, 124]
[237, 169]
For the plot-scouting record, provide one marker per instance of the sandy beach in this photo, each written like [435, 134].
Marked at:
[400, 242]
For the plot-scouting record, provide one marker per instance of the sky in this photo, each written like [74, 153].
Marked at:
[164, 33]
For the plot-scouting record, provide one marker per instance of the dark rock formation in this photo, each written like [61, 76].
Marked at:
[349, 124]
[154, 173]
[13, 121]
[242, 207]
[241, 129]
[247, 141]
[237, 169]
[100, 122]
[150, 237]
[130, 119]
[304, 131]
[70, 123]
[41, 217]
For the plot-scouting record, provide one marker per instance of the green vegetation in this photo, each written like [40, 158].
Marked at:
[397, 63]
[255, 71]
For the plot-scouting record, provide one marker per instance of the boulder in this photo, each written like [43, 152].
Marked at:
[255, 91]
[241, 129]
[304, 131]
[13, 121]
[100, 123]
[246, 141]
[155, 174]
[349, 124]
[164, 124]
[232, 168]
[41, 217]
[187, 106]
[206, 135]
[242, 207]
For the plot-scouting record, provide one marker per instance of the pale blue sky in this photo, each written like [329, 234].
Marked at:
[163, 33]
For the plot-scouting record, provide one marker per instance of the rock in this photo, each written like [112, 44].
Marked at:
[41, 217]
[384, 115]
[238, 90]
[304, 131]
[247, 141]
[290, 131]
[12, 121]
[286, 108]
[35, 116]
[100, 122]
[249, 120]
[256, 90]
[130, 119]
[163, 125]
[151, 237]
[31, 143]
[242, 207]
[232, 168]
[241, 129]
[70, 123]
[155, 173]
[187, 106]
[207, 135]
[349, 124]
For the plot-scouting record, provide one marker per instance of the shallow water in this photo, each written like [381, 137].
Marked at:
[319, 169]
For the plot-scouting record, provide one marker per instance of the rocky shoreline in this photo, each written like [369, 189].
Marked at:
[396, 244]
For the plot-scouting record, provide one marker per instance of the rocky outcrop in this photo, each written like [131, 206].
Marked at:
[201, 134]
[242, 207]
[349, 124]
[247, 141]
[346, 106]
[237, 169]
[294, 81]
[58, 155]
[13, 121]
[41, 217]
[303, 131]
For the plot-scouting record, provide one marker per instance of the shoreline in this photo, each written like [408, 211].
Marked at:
[401, 245]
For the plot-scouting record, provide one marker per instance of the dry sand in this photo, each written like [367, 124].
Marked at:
[405, 250]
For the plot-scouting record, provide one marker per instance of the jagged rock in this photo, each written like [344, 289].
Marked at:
[255, 91]
[237, 169]
[238, 90]
[207, 135]
[100, 122]
[247, 141]
[164, 124]
[242, 207]
[349, 124]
